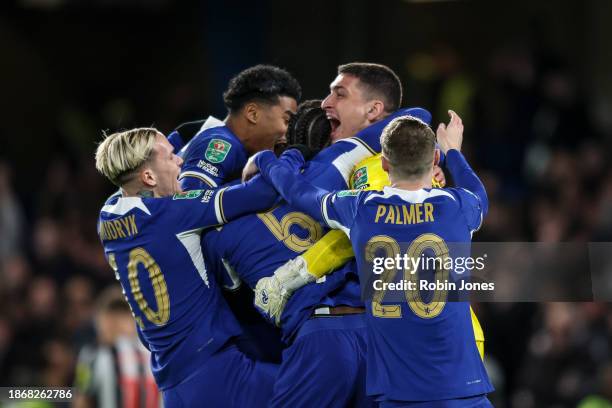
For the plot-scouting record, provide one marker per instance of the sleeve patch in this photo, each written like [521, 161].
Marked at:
[217, 150]
[187, 195]
[359, 179]
[348, 193]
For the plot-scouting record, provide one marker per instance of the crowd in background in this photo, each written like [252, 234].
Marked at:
[531, 137]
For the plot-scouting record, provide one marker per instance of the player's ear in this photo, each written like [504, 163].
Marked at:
[147, 177]
[375, 110]
[251, 112]
[436, 157]
[385, 163]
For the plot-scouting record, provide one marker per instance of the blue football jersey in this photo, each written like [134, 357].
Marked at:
[418, 350]
[253, 246]
[212, 158]
[153, 245]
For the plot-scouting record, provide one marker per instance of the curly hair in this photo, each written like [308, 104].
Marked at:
[261, 83]
[309, 126]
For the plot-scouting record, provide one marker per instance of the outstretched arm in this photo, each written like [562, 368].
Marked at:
[293, 188]
[471, 192]
[210, 207]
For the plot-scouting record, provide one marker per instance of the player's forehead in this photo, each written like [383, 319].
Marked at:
[346, 82]
[162, 145]
[287, 104]
[285, 107]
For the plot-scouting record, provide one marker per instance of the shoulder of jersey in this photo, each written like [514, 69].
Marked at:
[113, 198]
[418, 196]
[221, 132]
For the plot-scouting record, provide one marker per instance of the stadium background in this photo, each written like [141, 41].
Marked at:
[531, 79]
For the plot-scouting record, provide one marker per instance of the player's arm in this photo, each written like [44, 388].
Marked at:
[212, 207]
[337, 210]
[471, 193]
[326, 255]
[466, 178]
[371, 135]
[302, 195]
[196, 209]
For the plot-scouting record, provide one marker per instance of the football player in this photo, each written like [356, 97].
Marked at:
[260, 101]
[334, 249]
[151, 232]
[420, 354]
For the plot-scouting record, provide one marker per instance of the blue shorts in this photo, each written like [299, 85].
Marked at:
[227, 379]
[325, 365]
[479, 401]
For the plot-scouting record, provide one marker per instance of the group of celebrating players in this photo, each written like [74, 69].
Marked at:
[294, 202]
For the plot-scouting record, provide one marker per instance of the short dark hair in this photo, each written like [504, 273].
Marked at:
[261, 83]
[378, 81]
[408, 144]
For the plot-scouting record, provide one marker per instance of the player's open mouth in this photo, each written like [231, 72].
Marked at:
[335, 124]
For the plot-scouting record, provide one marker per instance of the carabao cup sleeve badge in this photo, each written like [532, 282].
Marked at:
[217, 150]
[360, 177]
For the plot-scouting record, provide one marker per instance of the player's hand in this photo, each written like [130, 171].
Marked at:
[272, 293]
[439, 177]
[270, 298]
[250, 169]
[450, 136]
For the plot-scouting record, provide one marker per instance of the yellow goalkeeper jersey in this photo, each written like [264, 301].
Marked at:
[334, 249]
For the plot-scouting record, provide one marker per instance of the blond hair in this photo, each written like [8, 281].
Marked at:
[119, 155]
[408, 144]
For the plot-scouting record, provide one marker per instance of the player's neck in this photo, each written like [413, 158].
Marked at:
[239, 129]
[138, 191]
[412, 185]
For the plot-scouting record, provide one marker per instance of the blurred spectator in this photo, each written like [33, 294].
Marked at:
[603, 396]
[6, 337]
[57, 194]
[11, 216]
[116, 371]
[560, 365]
[78, 295]
[48, 247]
[59, 363]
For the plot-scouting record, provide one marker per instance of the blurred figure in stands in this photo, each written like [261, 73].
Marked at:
[116, 372]
[11, 216]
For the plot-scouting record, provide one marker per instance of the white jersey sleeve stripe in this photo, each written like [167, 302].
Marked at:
[200, 176]
[219, 206]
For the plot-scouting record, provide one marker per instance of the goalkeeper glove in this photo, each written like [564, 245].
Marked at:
[273, 292]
